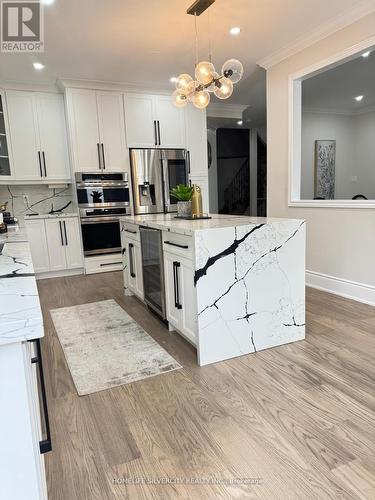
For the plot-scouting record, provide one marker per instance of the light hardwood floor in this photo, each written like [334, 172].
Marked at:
[300, 417]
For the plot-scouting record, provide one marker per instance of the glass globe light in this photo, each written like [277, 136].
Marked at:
[183, 81]
[211, 87]
[204, 72]
[233, 70]
[179, 99]
[201, 99]
[223, 88]
[191, 88]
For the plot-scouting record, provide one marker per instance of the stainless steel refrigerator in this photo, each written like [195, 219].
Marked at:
[154, 173]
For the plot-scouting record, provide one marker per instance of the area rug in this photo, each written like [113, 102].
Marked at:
[104, 347]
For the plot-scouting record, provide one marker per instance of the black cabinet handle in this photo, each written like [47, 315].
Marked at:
[175, 244]
[46, 444]
[66, 238]
[100, 162]
[103, 156]
[177, 303]
[40, 164]
[155, 133]
[44, 163]
[188, 160]
[159, 138]
[131, 261]
[131, 232]
[61, 234]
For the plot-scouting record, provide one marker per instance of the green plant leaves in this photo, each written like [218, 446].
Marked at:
[182, 192]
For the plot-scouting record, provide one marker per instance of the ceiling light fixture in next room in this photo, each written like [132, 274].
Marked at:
[206, 80]
[38, 66]
[359, 98]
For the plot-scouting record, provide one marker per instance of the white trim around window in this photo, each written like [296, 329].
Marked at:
[294, 130]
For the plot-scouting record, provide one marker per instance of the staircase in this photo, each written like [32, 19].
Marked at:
[237, 194]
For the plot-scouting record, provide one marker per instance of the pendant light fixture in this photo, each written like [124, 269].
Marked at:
[206, 80]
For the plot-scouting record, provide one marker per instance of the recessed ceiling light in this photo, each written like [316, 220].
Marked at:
[235, 30]
[173, 79]
[38, 66]
[359, 98]
[240, 122]
[366, 54]
[47, 2]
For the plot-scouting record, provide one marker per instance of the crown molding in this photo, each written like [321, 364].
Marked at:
[65, 83]
[29, 87]
[324, 30]
[348, 112]
[225, 110]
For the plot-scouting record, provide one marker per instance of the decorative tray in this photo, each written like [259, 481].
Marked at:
[193, 218]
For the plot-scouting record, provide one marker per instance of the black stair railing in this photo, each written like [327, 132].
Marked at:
[237, 194]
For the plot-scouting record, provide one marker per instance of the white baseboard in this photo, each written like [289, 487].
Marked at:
[59, 274]
[360, 292]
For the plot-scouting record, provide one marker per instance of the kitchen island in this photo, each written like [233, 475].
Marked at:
[240, 280]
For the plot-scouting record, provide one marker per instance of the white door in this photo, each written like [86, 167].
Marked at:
[138, 270]
[112, 131]
[73, 249]
[52, 128]
[56, 244]
[24, 135]
[187, 294]
[173, 313]
[84, 129]
[171, 123]
[36, 234]
[140, 121]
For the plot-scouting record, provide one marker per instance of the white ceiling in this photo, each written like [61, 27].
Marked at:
[334, 89]
[138, 41]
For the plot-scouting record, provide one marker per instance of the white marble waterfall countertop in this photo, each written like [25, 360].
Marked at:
[168, 222]
[20, 313]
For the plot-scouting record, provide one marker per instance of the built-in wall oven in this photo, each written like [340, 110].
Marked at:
[102, 198]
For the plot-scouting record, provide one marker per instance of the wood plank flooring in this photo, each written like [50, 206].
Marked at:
[300, 418]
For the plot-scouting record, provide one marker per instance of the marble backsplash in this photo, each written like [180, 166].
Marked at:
[40, 199]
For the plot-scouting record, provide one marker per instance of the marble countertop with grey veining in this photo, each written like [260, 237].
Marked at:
[168, 222]
[20, 313]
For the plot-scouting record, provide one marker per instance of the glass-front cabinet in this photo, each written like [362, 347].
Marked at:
[5, 170]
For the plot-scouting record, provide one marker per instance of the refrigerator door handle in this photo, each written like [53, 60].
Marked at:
[46, 444]
[166, 187]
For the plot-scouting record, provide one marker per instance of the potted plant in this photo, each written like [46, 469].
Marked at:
[183, 193]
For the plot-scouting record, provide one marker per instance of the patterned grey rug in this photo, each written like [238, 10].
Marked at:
[104, 347]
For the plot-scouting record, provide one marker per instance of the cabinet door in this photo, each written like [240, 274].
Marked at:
[187, 293]
[140, 121]
[196, 135]
[173, 313]
[112, 130]
[5, 153]
[73, 249]
[36, 234]
[56, 245]
[52, 128]
[171, 123]
[84, 130]
[134, 268]
[24, 135]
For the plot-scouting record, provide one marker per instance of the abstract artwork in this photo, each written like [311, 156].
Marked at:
[325, 162]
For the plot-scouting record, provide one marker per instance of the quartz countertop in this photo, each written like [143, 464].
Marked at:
[168, 222]
[20, 313]
[59, 215]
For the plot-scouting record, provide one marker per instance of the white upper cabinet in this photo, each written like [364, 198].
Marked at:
[112, 130]
[38, 136]
[53, 138]
[153, 121]
[170, 122]
[84, 130]
[141, 126]
[24, 136]
[97, 130]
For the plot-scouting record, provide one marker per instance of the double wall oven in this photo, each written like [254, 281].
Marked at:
[102, 198]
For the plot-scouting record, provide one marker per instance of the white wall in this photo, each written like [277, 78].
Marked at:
[212, 173]
[340, 242]
[355, 152]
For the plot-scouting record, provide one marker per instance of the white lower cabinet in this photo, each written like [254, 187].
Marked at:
[180, 295]
[55, 244]
[132, 259]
